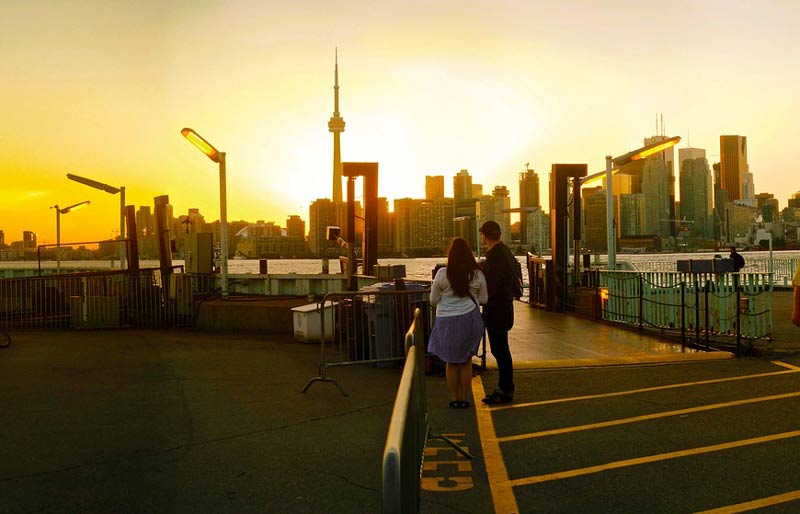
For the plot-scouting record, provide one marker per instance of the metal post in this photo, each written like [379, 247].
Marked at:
[351, 233]
[641, 303]
[738, 322]
[683, 316]
[122, 259]
[223, 223]
[697, 312]
[708, 327]
[58, 239]
[611, 236]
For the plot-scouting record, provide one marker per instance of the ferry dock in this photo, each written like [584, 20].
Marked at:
[188, 420]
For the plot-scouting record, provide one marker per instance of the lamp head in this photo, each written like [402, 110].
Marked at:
[73, 207]
[201, 144]
[645, 151]
[93, 183]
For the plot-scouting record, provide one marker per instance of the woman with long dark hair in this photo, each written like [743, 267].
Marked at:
[457, 290]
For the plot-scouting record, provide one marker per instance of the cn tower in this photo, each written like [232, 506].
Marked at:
[336, 125]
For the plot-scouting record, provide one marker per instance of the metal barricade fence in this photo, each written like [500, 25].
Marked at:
[408, 430]
[99, 300]
[368, 327]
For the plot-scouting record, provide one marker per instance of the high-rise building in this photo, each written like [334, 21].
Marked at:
[594, 219]
[768, 206]
[495, 208]
[336, 126]
[794, 201]
[625, 184]
[720, 199]
[733, 165]
[668, 158]
[2, 238]
[434, 187]
[402, 218]
[321, 214]
[631, 214]
[295, 226]
[537, 230]
[145, 221]
[385, 228]
[29, 240]
[738, 218]
[528, 201]
[463, 194]
[748, 190]
[696, 192]
[430, 225]
[656, 188]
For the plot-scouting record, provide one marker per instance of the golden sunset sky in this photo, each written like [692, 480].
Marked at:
[101, 88]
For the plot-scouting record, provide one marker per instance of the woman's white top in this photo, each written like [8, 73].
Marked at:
[446, 301]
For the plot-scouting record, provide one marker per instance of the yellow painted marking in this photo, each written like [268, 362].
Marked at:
[502, 493]
[646, 460]
[646, 417]
[755, 504]
[786, 365]
[645, 390]
[446, 484]
[433, 465]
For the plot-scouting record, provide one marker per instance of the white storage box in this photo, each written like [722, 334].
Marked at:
[308, 322]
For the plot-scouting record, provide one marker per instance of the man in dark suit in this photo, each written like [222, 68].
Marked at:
[499, 269]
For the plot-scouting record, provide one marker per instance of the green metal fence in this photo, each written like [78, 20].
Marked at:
[700, 308]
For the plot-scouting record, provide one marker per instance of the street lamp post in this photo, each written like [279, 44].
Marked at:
[59, 212]
[218, 157]
[612, 165]
[111, 190]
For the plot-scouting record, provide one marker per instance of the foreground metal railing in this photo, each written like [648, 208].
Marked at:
[409, 429]
[368, 327]
[102, 300]
[782, 268]
[718, 307]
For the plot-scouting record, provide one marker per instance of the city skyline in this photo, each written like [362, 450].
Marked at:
[103, 93]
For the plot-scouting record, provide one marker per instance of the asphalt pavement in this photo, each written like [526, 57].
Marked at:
[191, 421]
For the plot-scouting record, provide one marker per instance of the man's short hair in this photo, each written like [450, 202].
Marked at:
[491, 230]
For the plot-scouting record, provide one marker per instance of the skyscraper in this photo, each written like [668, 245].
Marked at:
[495, 208]
[528, 201]
[696, 201]
[463, 194]
[668, 157]
[434, 187]
[295, 226]
[655, 188]
[336, 125]
[321, 214]
[733, 165]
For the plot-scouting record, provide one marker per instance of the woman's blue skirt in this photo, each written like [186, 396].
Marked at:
[455, 339]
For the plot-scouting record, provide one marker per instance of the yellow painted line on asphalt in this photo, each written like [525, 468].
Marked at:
[785, 365]
[646, 389]
[647, 417]
[647, 460]
[502, 495]
[755, 504]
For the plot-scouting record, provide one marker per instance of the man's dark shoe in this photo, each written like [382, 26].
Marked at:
[497, 398]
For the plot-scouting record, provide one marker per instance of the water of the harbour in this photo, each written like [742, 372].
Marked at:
[420, 269]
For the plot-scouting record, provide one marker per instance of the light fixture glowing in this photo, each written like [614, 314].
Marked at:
[201, 144]
[70, 208]
[646, 151]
